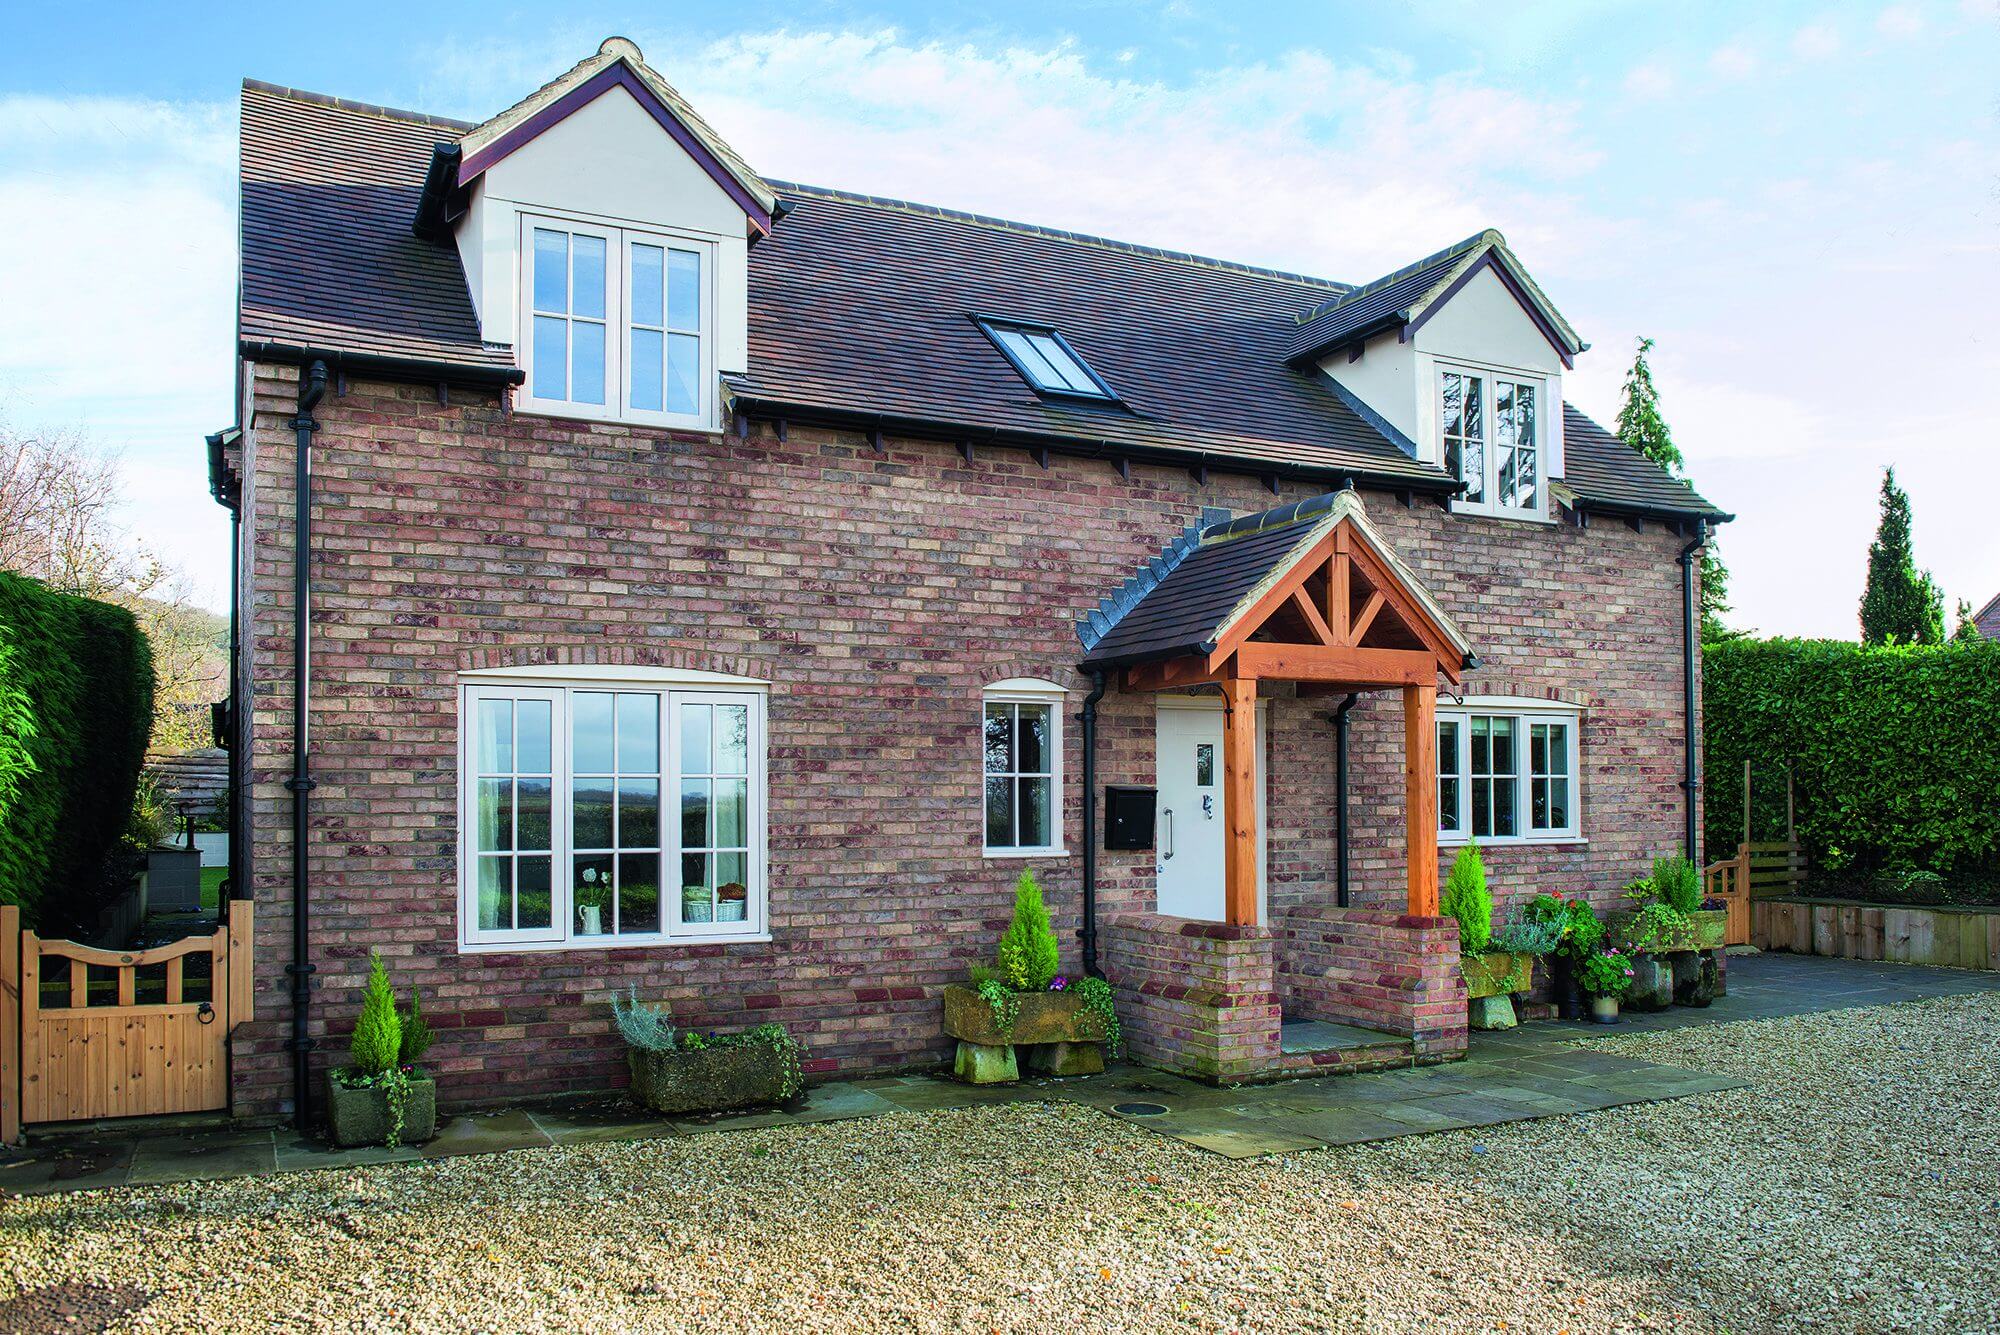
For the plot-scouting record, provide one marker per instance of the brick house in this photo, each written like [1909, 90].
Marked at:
[727, 588]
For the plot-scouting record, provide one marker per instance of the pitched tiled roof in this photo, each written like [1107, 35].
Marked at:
[860, 309]
[1184, 602]
[329, 261]
[1602, 470]
[864, 306]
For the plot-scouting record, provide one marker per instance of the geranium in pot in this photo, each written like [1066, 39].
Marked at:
[1021, 1002]
[381, 1097]
[1579, 935]
[1604, 976]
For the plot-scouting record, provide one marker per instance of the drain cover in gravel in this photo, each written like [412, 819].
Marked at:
[1139, 1109]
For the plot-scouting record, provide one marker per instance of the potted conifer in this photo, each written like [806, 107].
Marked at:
[1023, 1002]
[1491, 974]
[381, 1097]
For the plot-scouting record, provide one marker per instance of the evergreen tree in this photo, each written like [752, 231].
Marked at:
[1639, 422]
[1966, 632]
[1900, 604]
[1641, 426]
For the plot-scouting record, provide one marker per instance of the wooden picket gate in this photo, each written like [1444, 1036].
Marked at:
[84, 1034]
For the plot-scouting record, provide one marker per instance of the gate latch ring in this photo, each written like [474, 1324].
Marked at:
[206, 1014]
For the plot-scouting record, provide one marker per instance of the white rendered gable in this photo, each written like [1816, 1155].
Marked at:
[610, 163]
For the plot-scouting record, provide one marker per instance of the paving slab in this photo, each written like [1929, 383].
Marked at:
[295, 1154]
[487, 1133]
[58, 1166]
[196, 1158]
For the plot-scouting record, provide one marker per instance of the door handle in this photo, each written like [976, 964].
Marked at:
[1169, 841]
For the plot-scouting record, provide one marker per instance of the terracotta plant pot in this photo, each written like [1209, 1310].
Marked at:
[1045, 1017]
[356, 1117]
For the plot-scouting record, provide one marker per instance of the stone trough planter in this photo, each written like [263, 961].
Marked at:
[1059, 1036]
[1490, 979]
[738, 1075]
[1711, 928]
[356, 1117]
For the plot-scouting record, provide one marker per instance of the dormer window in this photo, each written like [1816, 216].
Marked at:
[1491, 425]
[618, 324]
[1046, 360]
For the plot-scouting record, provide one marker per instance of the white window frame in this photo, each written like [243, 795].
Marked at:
[1525, 712]
[1027, 691]
[619, 239]
[1488, 376]
[673, 689]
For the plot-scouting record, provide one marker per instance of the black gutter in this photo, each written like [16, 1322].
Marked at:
[1078, 447]
[230, 498]
[1659, 514]
[1340, 727]
[312, 387]
[423, 370]
[1088, 932]
[1690, 639]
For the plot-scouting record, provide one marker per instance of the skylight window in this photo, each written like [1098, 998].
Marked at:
[1045, 360]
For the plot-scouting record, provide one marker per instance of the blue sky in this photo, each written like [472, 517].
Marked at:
[1800, 202]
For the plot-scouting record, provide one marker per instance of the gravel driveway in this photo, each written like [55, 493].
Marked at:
[1852, 1188]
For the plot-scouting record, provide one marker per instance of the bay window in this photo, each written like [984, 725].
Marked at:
[610, 813]
[1022, 735]
[616, 323]
[1507, 772]
[1493, 436]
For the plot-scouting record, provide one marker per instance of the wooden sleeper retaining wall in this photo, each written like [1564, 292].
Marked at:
[1961, 938]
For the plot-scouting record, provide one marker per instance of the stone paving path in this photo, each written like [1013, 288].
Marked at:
[1533, 1071]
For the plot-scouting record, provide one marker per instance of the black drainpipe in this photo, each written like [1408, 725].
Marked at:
[238, 883]
[1691, 780]
[311, 388]
[1340, 793]
[1088, 932]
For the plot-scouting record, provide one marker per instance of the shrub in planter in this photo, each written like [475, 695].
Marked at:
[1605, 977]
[1022, 1001]
[1581, 932]
[681, 1071]
[380, 1097]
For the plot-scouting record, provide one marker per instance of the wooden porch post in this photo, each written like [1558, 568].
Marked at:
[1420, 795]
[1239, 800]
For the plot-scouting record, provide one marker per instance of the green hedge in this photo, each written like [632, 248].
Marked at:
[1895, 750]
[87, 673]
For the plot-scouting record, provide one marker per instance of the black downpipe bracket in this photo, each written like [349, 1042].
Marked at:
[1340, 726]
[312, 387]
[1690, 633]
[1088, 932]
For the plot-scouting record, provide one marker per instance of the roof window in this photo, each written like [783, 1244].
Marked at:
[1045, 360]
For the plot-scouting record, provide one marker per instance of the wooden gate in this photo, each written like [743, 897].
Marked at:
[87, 1033]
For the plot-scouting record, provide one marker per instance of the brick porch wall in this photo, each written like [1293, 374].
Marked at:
[877, 593]
[1375, 968]
[1196, 998]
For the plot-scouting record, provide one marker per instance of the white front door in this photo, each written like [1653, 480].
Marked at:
[1190, 822]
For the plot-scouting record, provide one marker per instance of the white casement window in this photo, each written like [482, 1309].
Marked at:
[607, 813]
[1492, 427]
[1023, 768]
[1507, 772]
[617, 324]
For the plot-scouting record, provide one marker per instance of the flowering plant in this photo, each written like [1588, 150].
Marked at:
[1058, 983]
[1607, 973]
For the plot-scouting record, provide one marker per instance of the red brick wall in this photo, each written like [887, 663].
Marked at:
[1197, 998]
[1376, 968]
[877, 593]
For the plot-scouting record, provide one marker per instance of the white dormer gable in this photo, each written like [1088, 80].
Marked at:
[605, 233]
[1460, 359]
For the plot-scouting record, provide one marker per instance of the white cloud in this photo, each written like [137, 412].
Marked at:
[119, 273]
[1734, 61]
[1816, 41]
[1900, 21]
[1650, 80]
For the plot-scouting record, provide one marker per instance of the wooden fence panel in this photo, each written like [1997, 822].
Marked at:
[10, 1024]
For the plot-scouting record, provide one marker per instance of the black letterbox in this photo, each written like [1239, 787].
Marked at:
[1128, 817]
